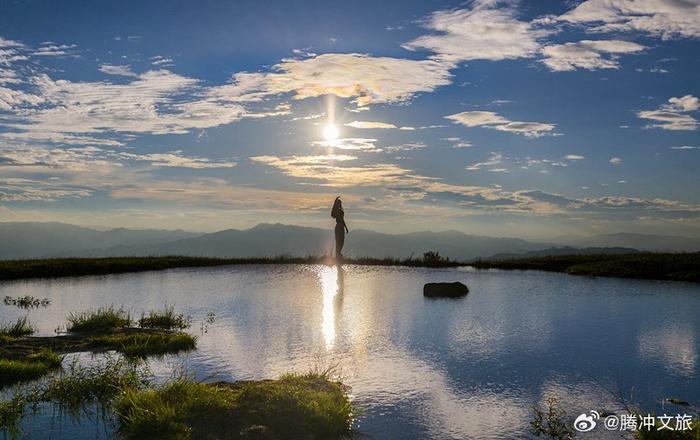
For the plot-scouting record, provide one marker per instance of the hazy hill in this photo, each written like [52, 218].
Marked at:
[277, 239]
[32, 240]
[644, 242]
[566, 250]
[26, 240]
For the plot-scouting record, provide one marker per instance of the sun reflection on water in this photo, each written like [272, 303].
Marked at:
[331, 278]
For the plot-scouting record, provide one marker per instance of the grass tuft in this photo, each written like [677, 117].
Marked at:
[142, 345]
[165, 320]
[96, 385]
[76, 391]
[29, 368]
[102, 320]
[22, 327]
[294, 406]
[26, 302]
[14, 371]
[11, 413]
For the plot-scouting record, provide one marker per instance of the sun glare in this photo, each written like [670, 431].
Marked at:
[330, 132]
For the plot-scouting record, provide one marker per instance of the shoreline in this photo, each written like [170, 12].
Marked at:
[643, 265]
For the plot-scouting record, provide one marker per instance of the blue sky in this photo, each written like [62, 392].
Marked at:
[531, 119]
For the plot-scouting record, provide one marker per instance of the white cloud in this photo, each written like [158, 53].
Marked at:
[367, 79]
[155, 102]
[366, 144]
[53, 50]
[328, 170]
[10, 43]
[673, 115]
[174, 159]
[497, 122]
[11, 138]
[587, 54]
[92, 158]
[494, 159]
[489, 30]
[26, 190]
[663, 18]
[687, 103]
[371, 124]
[574, 157]
[10, 51]
[16, 99]
[112, 69]
[615, 160]
[685, 147]
[161, 61]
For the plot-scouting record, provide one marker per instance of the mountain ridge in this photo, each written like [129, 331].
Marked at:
[55, 239]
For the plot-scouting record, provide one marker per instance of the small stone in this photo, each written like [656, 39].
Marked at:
[445, 290]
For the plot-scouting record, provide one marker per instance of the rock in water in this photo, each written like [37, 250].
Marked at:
[445, 290]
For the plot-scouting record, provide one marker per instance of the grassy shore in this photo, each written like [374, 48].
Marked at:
[66, 267]
[300, 406]
[647, 265]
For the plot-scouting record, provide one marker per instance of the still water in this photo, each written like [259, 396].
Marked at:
[419, 368]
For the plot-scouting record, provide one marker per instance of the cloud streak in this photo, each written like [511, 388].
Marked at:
[674, 114]
[495, 121]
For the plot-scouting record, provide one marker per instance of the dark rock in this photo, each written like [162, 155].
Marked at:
[445, 290]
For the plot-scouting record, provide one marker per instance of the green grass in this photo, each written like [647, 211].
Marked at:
[76, 391]
[308, 406]
[645, 265]
[80, 386]
[294, 406]
[165, 320]
[102, 320]
[21, 327]
[149, 344]
[11, 413]
[14, 371]
[65, 267]
[29, 368]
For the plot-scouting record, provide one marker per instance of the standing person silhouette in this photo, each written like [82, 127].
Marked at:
[340, 227]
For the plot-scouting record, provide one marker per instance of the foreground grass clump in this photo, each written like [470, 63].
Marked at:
[165, 320]
[26, 302]
[78, 390]
[146, 344]
[97, 385]
[102, 320]
[21, 327]
[29, 368]
[645, 265]
[308, 406]
[294, 406]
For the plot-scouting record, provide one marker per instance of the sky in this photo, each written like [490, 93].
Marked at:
[510, 118]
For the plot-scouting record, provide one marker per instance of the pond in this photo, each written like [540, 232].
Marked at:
[417, 367]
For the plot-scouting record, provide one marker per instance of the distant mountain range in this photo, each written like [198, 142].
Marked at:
[34, 240]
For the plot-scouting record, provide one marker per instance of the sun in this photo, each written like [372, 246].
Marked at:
[330, 132]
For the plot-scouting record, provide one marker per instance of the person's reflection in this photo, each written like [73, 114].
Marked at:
[333, 286]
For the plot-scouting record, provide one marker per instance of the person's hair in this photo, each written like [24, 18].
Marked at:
[337, 207]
